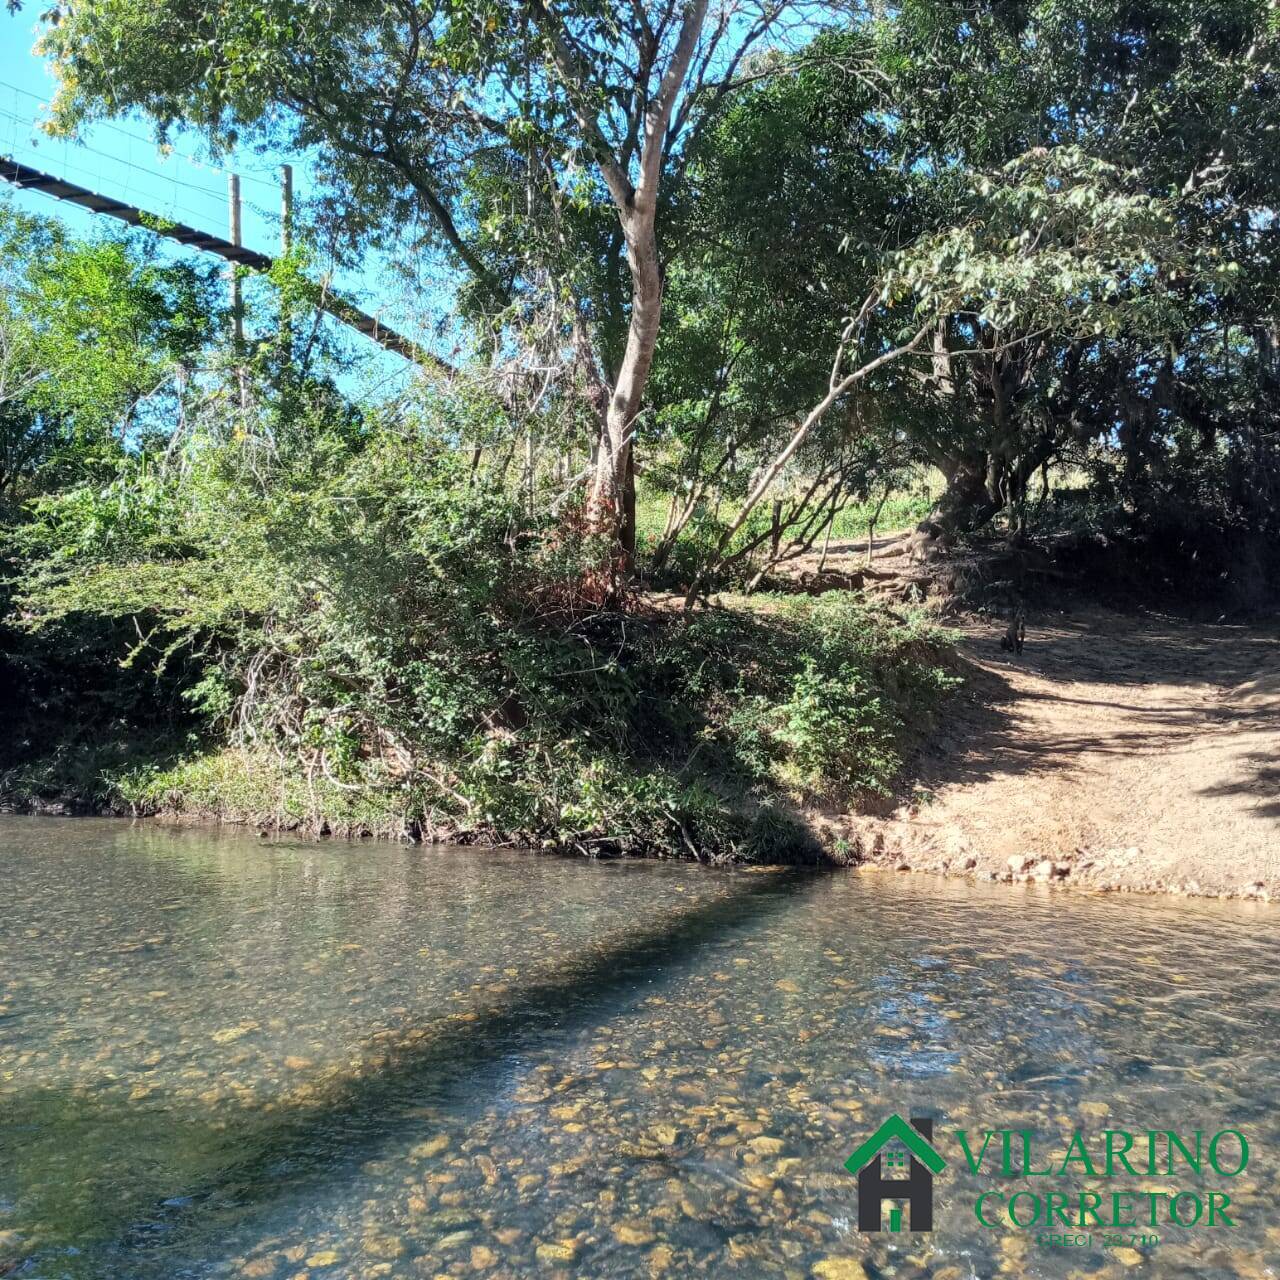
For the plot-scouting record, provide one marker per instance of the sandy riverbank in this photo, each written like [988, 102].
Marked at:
[1119, 752]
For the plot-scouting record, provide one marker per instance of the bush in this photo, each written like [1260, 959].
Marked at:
[1200, 529]
[380, 643]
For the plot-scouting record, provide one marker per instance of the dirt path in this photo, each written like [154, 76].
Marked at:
[1120, 751]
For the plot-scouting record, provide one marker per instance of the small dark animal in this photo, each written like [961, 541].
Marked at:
[1015, 634]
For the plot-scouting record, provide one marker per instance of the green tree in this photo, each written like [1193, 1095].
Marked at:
[1179, 101]
[764, 271]
[95, 337]
[421, 108]
[1045, 189]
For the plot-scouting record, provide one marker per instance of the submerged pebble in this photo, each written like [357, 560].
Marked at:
[392, 1062]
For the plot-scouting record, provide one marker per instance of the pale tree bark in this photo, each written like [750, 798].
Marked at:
[636, 204]
[614, 488]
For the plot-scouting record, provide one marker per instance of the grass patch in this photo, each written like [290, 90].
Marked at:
[899, 511]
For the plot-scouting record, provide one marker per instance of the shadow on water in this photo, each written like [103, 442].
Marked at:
[242, 1163]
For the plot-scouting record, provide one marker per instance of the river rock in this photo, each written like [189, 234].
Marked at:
[838, 1269]
[560, 1251]
[634, 1232]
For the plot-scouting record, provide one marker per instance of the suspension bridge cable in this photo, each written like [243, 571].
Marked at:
[28, 178]
[248, 173]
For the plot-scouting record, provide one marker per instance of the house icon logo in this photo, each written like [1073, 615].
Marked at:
[896, 1148]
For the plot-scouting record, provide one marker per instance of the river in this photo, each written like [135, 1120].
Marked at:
[227, 1057]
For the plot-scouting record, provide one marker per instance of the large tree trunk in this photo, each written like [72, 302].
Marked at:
[613, 491]
[964, 505]
[979, 485]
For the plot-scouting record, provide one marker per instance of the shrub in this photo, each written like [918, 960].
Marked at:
[408, 651]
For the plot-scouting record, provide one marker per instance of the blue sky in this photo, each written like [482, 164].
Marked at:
[119, 158]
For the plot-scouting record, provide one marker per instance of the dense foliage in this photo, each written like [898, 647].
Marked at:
[381, 644]
[731, 278]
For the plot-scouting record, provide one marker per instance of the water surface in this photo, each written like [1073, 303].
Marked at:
[227, 1057]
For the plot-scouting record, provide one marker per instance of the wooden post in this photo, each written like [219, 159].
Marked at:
[826, 541]
[871, 525]
[286, 242]
[529, 461]
[237, 302]
[286, 207]
[237, 298]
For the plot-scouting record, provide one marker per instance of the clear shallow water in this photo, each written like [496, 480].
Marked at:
[221, 1057]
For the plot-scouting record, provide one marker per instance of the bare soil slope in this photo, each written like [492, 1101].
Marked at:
[1119, 751]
